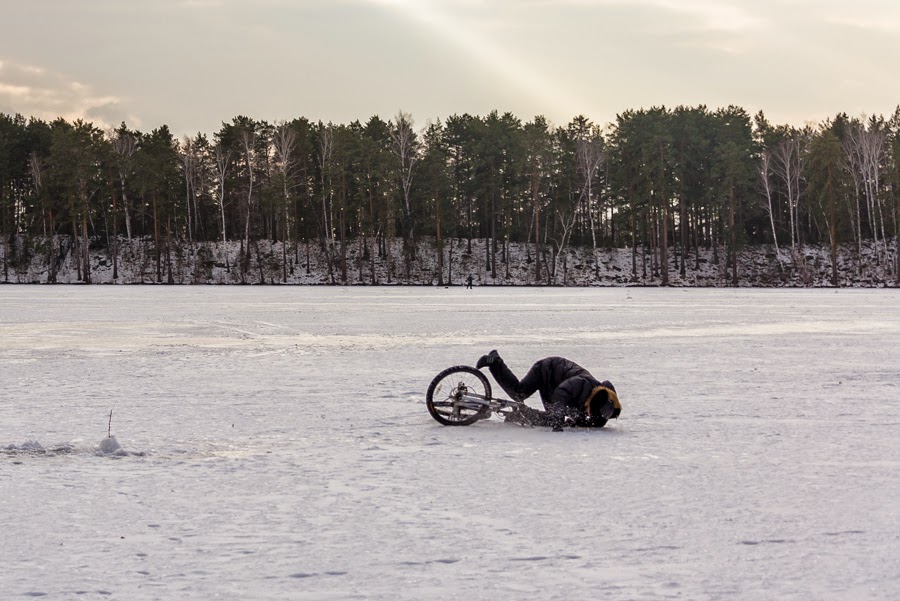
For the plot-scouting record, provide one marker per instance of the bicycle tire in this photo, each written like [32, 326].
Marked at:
[442, 409]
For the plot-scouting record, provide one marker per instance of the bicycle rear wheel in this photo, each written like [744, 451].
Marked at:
[446, 394]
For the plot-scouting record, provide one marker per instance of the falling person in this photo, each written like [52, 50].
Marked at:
[570, 394]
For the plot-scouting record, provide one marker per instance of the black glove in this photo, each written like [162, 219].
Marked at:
[489, 359]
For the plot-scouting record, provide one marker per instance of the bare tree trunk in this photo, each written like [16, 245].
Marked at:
[567, 222]
[156, 242]
[469, 226]
[127, 209]
[896, 191]
[644, 236]
[188, 163]
[506, 251]
[374, 236]
[249, 142]
[832, 234]
[169, 278]
[438, 241]
[388, 238]
[683, 226]
[664, 242]
[326, 142]
[697, 233]
[714, 226]
[633, 245]
[590, 158]
[764, 170]
[85, 250]
[47, 214]
[450, 263]
[85, 245]
[897, 231]
[222, 157]
[360, 247]
[876, 147]
[125, 145]
[115, 244]
[51, 256]
[492, 256]
[853, 149]
[285, 141]
[788, 166]
[732, 236]
[343, 250]
[5, 234]
[76, 254]
[260, 264]
[406, 148]
[538, 248]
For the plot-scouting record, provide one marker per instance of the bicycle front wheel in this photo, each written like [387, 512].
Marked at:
[450, 396]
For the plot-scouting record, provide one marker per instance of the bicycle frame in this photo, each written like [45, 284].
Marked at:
[476, 402]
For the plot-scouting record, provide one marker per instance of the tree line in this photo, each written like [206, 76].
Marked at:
[663, 182]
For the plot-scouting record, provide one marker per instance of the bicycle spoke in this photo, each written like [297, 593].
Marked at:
[458, 396]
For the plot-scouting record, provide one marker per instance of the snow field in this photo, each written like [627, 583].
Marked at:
[279, 447]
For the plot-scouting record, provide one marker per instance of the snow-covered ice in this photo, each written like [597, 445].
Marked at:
[276, 445]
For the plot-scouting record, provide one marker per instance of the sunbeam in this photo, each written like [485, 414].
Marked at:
[551, 95]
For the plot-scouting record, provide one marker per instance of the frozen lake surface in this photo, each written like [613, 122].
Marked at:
[278, 445]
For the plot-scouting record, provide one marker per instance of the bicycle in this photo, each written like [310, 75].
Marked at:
[461, 395]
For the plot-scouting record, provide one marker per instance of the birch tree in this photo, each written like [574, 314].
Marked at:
[764, 171]
[866, 151]
[406, 149]
[247, 132]
[222, 158]
[327, 235]
[895, 187]
[538, 166]
[788, 163]
[866, 154]
[189, 161]
[874, 156]
[124, 144]
[589, 157]
[285, 142]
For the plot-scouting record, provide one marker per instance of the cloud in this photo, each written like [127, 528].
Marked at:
[202, 3]
[714, 16]
[882, 25]
[35, 91]
[705, 15]
[711, 15]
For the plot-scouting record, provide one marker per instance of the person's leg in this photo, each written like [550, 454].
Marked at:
[518, 390]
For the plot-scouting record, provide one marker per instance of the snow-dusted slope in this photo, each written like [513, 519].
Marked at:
[278, 446]
[275, 263]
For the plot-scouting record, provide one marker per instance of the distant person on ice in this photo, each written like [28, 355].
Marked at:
[469, 282]
[570, 394]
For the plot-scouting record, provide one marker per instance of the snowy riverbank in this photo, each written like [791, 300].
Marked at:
[301, 264]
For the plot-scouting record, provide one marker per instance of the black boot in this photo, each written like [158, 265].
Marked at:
[492, 358]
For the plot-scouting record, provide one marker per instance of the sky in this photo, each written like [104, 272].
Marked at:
[192, 64]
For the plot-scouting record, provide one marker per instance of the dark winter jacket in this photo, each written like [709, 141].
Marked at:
[564, 386]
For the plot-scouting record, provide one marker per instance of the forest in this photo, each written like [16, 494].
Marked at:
[664, 183]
